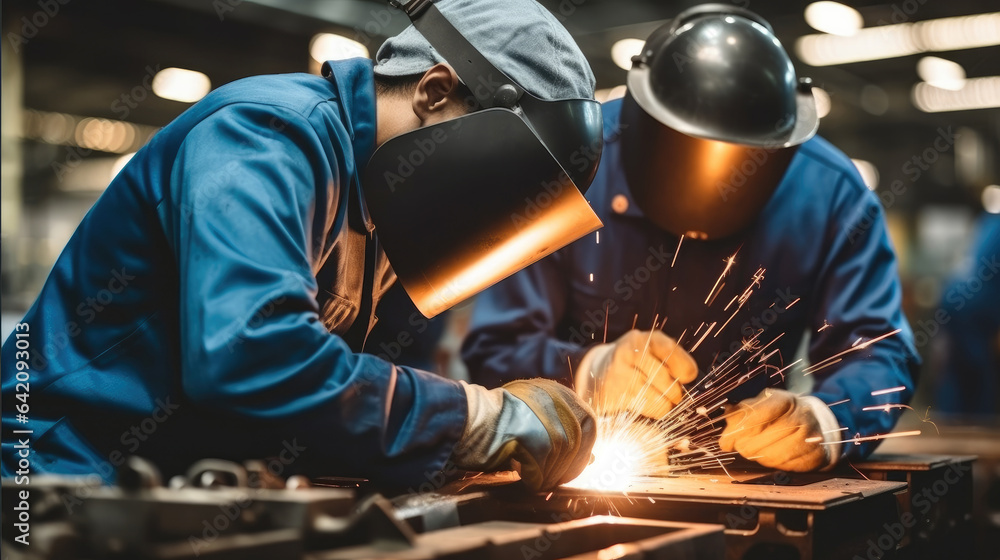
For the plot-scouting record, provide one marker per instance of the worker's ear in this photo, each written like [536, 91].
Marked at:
[438, 96]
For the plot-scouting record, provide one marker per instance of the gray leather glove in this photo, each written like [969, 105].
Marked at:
[538, 423]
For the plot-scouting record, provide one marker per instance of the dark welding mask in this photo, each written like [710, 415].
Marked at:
[462, 204]
[712, 116]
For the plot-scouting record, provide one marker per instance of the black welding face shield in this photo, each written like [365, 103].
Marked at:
[711, 119]
[462, 204]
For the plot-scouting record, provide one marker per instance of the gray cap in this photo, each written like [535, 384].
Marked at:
[520, 37]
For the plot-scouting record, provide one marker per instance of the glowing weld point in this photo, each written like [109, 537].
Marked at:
[701, 410]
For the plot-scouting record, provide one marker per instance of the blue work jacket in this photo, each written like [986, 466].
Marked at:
[830, 272]
[215, 300]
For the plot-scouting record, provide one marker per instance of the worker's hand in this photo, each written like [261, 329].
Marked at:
[539, 423]
[779, 430]
[642, 371]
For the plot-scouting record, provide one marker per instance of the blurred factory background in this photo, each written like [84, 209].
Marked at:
[909, 89]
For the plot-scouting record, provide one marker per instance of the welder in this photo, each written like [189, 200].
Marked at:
[250, 241]
[712, 153]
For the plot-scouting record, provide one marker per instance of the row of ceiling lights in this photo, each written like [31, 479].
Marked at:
[845, 40]
[944, 87]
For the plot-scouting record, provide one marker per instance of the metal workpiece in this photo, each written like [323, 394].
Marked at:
[901, 507]
[792, 516]
[937, 507]
[593, 537]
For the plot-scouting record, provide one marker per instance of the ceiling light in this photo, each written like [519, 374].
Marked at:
[991, 199]
[823, 102]
[978, 93]
[941, 73]
[868, 172]
[834, 17]
[623, 51]
[903, 39]
[178, 84]
[329, 46]
[106, 135]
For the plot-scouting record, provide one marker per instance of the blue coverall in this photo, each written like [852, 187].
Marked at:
[827, 258]
[214, 302]
[970, 317]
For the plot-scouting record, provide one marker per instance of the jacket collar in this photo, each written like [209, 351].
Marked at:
[354, 81]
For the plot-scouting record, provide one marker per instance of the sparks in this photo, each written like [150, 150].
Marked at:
[857, 440]
[729, 264]
[886, 407]
[858, 345]
[887, 391]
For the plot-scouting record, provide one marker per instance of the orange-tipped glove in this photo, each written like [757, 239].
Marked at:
[642, 372]
[539, 423]
[781, 430]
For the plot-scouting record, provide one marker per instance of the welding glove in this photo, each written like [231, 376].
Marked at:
[782, 430]
[641, 372]
[538, 423]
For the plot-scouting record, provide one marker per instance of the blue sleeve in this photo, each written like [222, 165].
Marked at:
[512, 334]
[860, 295]
[243, 209]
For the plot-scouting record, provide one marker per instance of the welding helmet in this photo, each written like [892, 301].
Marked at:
[712, 115]
[462, 204]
